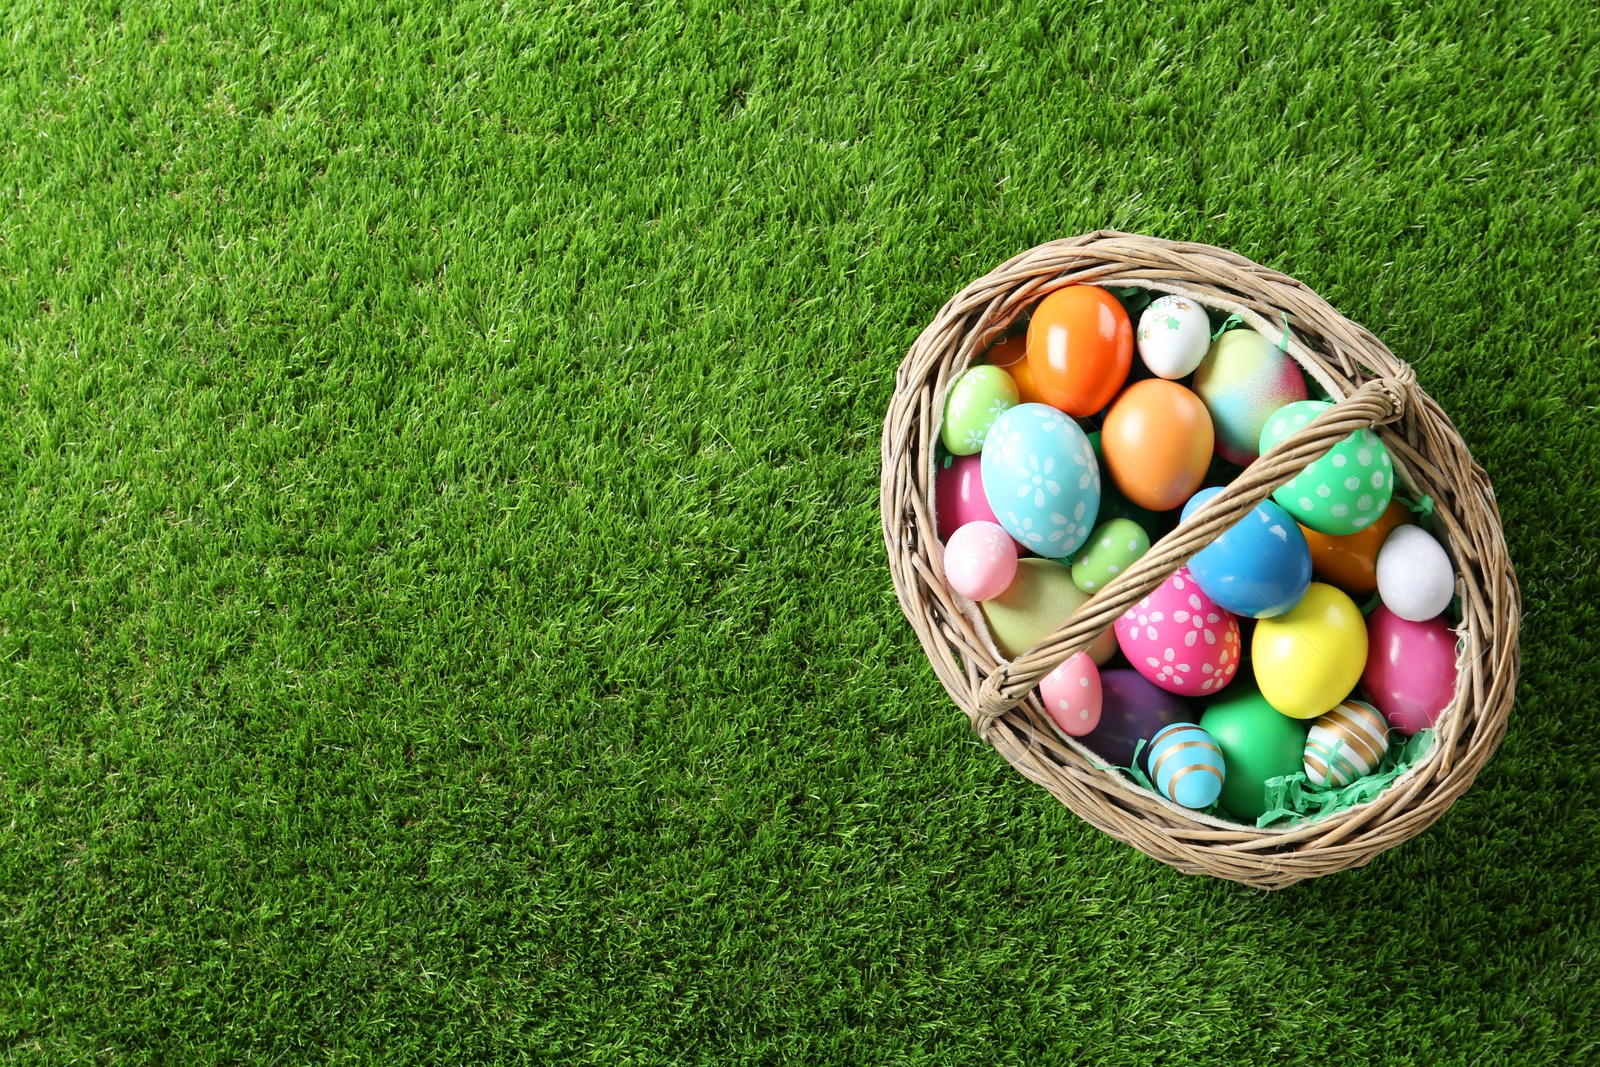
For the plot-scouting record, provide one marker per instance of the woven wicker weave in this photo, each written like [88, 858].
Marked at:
[1377, 390]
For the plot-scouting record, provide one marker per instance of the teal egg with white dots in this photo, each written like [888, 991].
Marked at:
[1111, 548]
[1041, 479]
[1343, 492]
[975, 400]
[1186, 765]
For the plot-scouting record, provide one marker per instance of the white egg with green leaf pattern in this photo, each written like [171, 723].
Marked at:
[1174, 336]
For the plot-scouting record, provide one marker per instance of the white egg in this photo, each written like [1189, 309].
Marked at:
[1414, 576]
[1174, 335]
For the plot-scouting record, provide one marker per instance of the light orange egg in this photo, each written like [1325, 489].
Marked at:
[1080, 347]
[1157, 443]
[1351, 562]
[1024, 378]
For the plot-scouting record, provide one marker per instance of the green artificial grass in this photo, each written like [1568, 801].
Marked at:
[444, 616]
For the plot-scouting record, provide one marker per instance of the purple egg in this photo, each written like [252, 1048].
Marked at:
[1131, 710]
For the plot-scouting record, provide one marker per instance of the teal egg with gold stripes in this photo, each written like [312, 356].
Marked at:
[1186, 765]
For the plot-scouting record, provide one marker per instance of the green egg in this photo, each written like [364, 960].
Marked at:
[1107, 553]
[1257, 743]
[974, 402]
[1344, 491]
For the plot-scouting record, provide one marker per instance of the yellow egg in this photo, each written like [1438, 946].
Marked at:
[1040, 598]
[1308, 659]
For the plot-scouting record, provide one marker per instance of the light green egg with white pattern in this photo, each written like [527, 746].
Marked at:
[1111, 548]
[975, 400]
[1343, 492]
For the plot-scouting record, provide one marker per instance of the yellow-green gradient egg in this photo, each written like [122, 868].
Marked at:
[1242, 381]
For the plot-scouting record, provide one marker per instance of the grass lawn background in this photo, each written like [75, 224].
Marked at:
[443, 611]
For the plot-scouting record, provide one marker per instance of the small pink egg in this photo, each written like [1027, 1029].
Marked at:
[1179, 638]
[1411, 669]
[958, 496]
[980, 560]
[1071, 695]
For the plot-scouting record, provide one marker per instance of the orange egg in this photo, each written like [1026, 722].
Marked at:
[1023, 376]
[1008, 351]
[1351, 562]
[1080, 346]
[1157, 443]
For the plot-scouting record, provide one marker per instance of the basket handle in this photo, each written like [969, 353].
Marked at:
[1380, 401]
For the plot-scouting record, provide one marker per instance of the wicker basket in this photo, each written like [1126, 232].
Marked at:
[1372, 388]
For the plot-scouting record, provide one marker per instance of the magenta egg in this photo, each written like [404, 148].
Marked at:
[1071, 695]
[958, 497]
[980, 560]
[1179, 638]
[1411, 669]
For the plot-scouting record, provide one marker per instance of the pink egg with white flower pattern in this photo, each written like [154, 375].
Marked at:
[1071, 695]
[980, 560]
[1179, 639]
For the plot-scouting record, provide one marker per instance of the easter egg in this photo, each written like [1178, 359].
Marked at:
[1345, 744]
[1351, 561]
[1179, 638]
[1080, 347]
[1071, 694]
[1039, 599]
[1411, 671]
[1414, 575]
[958, 495]
[1344, 491]
[976, 399]
[1186, 765]
[1009, 351]
[980, 560]
[1110, 548]
[1113, 505]
[1310, 658]
[1259, 567]
[1257, 744]
[1027, 393]
[1157, 443]
[1041, 479]
[1131, 710]
[1174, 334]
[1243, 380]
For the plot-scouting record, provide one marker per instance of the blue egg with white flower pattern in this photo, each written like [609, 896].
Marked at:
[1041, 479]
[1260, 567]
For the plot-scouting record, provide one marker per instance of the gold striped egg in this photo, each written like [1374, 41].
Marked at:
[1345, 744]
[1186, 765]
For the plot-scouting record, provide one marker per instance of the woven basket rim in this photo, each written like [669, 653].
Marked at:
[1371, 387]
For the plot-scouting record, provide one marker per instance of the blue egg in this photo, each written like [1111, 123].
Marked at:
[1260, 567]
[1186, 765]
[1041, 479]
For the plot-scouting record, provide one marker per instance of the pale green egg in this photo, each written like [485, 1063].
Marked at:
[975, 400]
[1344, 491]
[1110, 549]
